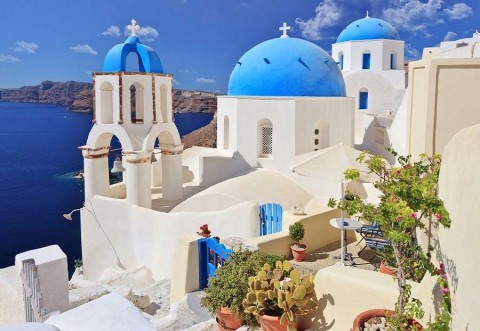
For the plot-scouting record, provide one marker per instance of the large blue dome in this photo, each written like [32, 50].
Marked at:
[286, 67]
[116, 58]
[368, 28]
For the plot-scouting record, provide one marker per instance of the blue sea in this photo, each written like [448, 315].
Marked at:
[38, 154]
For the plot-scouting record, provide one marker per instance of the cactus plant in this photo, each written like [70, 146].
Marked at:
[280, 292]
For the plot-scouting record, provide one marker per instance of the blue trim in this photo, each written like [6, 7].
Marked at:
[206, 265]
[271, 216]
[366, 61]
[363, 100]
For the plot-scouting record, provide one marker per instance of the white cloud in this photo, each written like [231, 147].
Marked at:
[176, 82]
[459, 11]
[205, 80]
[24, 46]
[146, 33]
[84, 49]
[415, 16]
[411, 52]
[450, 36]
[112, 30]
[327, 14]
[7, 58]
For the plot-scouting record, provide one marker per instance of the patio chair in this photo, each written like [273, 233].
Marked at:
[369, 231]
[376, 244]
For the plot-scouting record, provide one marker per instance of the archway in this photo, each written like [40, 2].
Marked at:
[106, 103]
[363, 98]
[136, 103]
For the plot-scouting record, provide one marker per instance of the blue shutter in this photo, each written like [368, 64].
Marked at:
[366, 61]
[341, 62]
[363, 100]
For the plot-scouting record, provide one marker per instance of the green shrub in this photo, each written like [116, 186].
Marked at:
[230, 285]
[296, 232]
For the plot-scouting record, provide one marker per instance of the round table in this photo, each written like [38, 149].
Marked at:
[349, 224]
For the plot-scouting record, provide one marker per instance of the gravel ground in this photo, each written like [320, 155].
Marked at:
[325, 257]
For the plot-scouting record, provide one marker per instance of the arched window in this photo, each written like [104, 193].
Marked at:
[163, 103]
[265, 138]
[340, 60]
[363, 98]
[366, 60]
[136, 103]
[226, 133]
[393, 60]
[106, 103]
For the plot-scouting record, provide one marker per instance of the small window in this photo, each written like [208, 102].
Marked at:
[366, 61]
[317, 131]
[341, 61]
[316, 141]
[363, 100]
[392, 61]
[267, 135]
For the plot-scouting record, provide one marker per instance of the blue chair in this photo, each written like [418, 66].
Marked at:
[369, 231]
[271, 215]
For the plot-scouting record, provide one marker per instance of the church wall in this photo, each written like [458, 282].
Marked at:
[280, 112]
[227, 107]
[444, 100]
[143, 237]
[333, 114]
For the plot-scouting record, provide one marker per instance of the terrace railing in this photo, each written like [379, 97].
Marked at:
[211, 255]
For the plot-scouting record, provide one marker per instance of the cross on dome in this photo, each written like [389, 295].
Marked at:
[133, 27]
[284, 28]
[367, 15]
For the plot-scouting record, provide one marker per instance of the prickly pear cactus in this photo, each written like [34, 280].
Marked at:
[280, 292]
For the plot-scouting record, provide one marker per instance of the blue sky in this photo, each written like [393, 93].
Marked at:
[199, 40]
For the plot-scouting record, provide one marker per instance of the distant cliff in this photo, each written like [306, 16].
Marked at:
[77, 96]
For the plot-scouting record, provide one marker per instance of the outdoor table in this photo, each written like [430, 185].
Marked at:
[349, 224]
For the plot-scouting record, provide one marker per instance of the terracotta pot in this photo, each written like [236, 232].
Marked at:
[298, 253]
[272, 323]
[386, 269]
[366, 315]
[227, 320]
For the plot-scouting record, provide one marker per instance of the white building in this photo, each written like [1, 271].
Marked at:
[371, 56]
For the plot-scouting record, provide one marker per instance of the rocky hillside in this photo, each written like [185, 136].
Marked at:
[73, 95]
[77, 96]
[205, 136]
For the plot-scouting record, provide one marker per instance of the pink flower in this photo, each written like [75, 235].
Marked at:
[413, 215]
[442, 266]
[399, 218]
[398, 172]
[445, 291]
[438, 271]
[444, 277]
[439, 217]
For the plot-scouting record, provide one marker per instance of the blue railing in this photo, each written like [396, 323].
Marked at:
[211, 255]
[270, 218]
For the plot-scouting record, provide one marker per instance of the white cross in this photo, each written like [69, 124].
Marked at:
[133, 27]
[284, 29]
[367, 15]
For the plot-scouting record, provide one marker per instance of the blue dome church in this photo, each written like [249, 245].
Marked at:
[286, 96]
[370, 55]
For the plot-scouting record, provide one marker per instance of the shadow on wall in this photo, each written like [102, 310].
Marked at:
[319, 322]
[217, 169]
[376, 140]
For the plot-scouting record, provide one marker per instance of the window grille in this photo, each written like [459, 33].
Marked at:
[267, 131]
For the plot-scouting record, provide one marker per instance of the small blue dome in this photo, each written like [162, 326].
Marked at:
[286, 67]
[116, 58]
[368, 28]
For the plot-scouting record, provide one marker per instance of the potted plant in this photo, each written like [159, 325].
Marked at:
[296, 233]
[409, 196]
[276, 296]
[226, 291]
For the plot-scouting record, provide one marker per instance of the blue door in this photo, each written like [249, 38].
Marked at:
[270, 218]
[211, 255]
[366, 61]
[363, 100]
